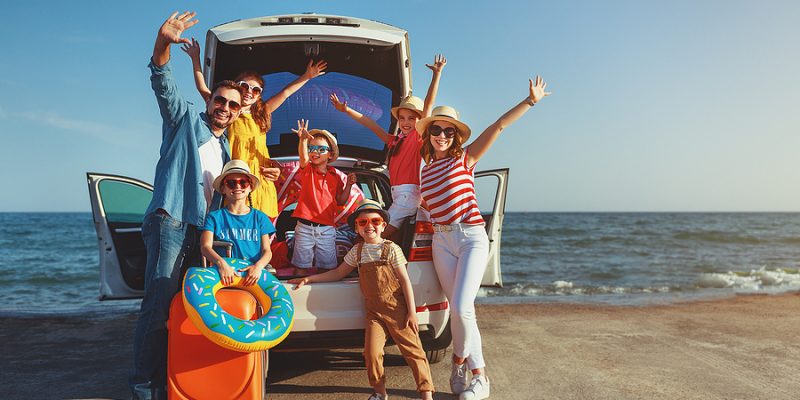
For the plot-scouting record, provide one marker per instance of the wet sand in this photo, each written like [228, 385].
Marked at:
[745, 347]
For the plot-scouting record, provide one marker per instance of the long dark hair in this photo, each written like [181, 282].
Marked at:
[258, 110]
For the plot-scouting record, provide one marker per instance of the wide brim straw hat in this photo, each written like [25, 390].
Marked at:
[235, 167]
[412, 103]
[448, 114]
[331, 140]
[365, 206]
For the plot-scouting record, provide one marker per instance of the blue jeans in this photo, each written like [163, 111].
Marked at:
[170, 244]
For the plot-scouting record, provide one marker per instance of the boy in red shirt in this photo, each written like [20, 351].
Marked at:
[321, 191]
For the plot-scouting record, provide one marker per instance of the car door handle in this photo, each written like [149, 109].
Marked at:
[128, 230]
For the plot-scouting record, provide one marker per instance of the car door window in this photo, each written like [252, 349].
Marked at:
[123, 202]
[486, 192]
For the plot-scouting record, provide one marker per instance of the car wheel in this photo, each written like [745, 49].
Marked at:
[435, 356]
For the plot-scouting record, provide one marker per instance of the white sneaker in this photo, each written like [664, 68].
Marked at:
[458, 378]
[378, 396]
[478, 389]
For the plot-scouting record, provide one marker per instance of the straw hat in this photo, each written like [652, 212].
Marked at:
[366, 205]
[448, 114]
[331, 140]
[412, 103]
[235, 167]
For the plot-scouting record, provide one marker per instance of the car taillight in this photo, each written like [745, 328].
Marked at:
[421, 245]
[433, 307]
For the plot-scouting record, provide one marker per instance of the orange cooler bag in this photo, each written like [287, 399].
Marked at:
[199, 369]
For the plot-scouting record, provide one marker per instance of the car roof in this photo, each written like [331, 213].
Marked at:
[280, 27]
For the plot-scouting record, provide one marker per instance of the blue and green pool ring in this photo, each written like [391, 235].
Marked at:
[200, 285]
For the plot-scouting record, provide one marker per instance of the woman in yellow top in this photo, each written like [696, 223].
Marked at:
[248, 134]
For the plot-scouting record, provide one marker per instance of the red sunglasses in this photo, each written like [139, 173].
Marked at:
[362, 222]
[234, 183]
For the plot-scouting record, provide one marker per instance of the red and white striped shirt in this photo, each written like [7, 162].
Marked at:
[448, 188]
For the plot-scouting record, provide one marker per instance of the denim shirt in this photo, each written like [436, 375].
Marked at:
[178, 184]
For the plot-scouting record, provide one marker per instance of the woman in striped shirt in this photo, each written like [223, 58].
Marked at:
[460, 243]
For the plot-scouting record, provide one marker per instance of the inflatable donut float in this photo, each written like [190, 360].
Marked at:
[200, 286]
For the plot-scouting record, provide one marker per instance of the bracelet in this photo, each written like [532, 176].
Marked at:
[530, 101]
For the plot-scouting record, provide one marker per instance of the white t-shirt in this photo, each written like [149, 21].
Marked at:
[210, 166]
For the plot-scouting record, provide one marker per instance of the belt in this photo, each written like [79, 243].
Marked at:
[309, 223]
[452, 228]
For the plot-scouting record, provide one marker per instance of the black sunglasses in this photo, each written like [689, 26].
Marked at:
[220, 101]
[436, 130]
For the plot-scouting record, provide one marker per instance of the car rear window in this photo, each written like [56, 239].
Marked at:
[311, 102]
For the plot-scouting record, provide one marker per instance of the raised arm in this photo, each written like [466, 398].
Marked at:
[482, 144]
[430, 98]
[169, 33]
[193, 50]
[368, 122]
[302, 143]
[344, 194]
[313, 70]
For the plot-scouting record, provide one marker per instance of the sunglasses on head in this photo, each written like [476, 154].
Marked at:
[318, 149]
[436, 130]
[254, 89]
[235, 183]
[375, 221]
[220, 101]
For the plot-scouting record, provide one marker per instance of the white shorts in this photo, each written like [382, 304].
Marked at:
[314, 246]
[405, 202]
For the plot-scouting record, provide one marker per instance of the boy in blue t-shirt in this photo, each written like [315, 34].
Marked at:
[247, 228]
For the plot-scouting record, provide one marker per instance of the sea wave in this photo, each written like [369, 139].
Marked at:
[753, 280]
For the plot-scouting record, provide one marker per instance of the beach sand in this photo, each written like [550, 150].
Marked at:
[744, 347]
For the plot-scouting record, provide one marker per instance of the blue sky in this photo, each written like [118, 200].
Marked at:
[656, 106]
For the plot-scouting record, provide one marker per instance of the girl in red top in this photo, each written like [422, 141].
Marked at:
[460, 244]
[404, 156]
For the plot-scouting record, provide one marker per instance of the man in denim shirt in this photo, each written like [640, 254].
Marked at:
[193, 151]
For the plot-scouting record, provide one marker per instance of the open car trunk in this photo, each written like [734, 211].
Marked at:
[368, 67]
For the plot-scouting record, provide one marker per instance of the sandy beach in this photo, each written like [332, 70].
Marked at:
[743, 347]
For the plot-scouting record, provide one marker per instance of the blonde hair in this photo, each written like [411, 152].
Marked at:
[427, 152]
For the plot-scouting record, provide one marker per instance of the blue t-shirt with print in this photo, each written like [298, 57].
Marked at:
[244, 231]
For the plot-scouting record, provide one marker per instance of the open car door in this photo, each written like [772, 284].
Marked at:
[118, 206]
[490, 187]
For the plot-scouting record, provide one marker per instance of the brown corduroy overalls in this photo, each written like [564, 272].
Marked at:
[386, 313]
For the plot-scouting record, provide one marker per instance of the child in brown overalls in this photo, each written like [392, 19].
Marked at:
[388, 297]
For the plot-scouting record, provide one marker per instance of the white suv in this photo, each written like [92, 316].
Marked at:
[369, 66]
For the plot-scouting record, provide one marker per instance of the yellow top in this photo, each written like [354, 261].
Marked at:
[249, 144]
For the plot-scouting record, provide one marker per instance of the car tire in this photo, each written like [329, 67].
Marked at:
[435, 356]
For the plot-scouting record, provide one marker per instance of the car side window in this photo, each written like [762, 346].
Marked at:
[123, 202]
[486, 192]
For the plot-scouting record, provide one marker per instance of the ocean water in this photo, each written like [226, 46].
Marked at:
[49, 261]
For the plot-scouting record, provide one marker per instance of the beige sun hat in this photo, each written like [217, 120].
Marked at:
[331, 140]
[235, 167]
[412, 103]
[448, 114]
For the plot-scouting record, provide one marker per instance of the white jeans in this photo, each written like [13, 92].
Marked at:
[405, 203]
[460, 258]
[314, 246]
